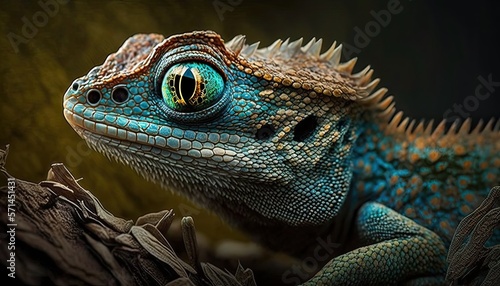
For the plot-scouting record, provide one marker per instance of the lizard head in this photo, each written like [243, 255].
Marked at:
[258, 135]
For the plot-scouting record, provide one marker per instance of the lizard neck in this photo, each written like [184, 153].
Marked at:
[429, 175]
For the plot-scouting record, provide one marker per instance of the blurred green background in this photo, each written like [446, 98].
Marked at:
[429, 55]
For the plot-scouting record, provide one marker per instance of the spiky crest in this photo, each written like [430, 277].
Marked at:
[395, 123]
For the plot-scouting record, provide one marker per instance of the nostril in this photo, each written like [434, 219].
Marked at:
[119, 94]
[75, 86]
[93, 97]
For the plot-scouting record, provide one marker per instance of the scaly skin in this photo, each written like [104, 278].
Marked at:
[290, 146]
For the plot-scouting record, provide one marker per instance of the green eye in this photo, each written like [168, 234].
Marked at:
[191, 86]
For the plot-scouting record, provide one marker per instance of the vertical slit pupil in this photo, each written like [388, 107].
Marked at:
[187, 85]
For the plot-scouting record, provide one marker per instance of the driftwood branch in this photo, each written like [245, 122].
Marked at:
[58, 233]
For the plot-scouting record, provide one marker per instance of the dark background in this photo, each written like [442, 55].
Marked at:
[429, 55]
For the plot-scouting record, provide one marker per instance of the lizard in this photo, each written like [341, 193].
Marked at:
[290, 145]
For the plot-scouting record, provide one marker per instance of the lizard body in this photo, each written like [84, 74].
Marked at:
[289, 145]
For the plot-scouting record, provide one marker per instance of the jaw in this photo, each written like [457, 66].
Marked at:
[241, 202]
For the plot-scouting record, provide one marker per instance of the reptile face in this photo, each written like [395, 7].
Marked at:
[239, 129]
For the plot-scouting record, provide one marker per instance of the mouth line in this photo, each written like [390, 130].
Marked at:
[131, 153]
[168, 146]
[116, 135]
[113, 141]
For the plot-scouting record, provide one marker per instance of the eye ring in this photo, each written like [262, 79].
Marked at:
[93, 97]
[197, 115]
[120, 94]
[191, 86]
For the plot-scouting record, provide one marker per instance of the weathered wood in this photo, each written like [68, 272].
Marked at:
[472, 260]
[62, 235]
